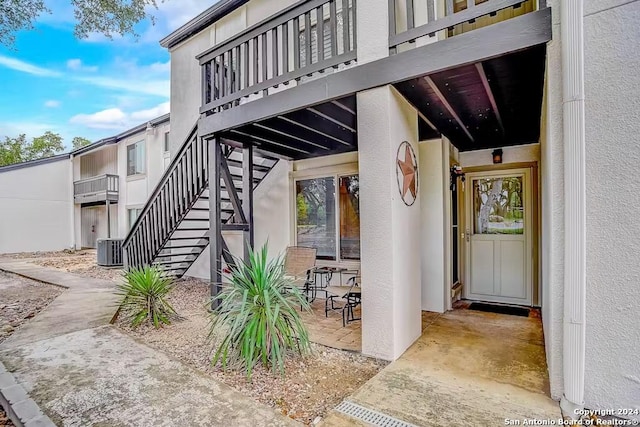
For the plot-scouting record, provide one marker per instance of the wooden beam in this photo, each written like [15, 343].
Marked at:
[492, 99]
[448, 106]
[508, 36]
[247, 199]
[215, 221]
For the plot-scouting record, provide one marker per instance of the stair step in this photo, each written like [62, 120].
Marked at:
[194, 219]
[189, 238]
[173, 262]
[238, 163]
[178, 254]
[191, 229]
[186, 246]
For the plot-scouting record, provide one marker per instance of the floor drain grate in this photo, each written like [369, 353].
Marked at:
[372, 417]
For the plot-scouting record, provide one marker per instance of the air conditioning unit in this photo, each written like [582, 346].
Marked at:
[110, 252]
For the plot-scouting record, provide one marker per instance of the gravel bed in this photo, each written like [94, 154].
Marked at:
[311, 386]
[20, 300]
[4, 421]
[56, 254]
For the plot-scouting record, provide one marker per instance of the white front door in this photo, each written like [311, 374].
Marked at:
[498, 236]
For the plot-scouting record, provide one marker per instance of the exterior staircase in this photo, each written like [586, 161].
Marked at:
[173, 228]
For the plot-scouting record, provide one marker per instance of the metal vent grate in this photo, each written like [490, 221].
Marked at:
[372, 417]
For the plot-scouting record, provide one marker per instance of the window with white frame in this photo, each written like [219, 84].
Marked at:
[132, 216]
[166, 142]
[135, 158]
[328, 216]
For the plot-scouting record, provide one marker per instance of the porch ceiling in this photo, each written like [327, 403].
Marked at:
[493, 103]
[319, 130]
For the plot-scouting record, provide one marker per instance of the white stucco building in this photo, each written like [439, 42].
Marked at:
[61, 202]
[550, 83]
[446, 149]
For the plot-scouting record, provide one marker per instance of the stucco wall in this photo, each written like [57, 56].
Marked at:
[516, 154]
[36, 208]
[552, 209]
[433, 195]
[390, 247]
[612, 60]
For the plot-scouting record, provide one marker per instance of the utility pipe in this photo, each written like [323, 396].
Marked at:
[571, 23]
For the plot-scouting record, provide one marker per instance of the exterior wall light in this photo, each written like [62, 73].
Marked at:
[497, 156]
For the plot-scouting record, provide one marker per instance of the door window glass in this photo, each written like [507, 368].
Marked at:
[498, 205]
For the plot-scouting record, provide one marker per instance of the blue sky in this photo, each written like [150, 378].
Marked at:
[91, 88]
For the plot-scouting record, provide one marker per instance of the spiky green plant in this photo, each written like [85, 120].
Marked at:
[143, 296]
[257, 317]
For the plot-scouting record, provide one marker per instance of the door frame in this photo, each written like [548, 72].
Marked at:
[532, 233]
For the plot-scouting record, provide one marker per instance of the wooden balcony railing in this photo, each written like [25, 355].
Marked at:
[96, 189]
[308, 37]
[412, 19]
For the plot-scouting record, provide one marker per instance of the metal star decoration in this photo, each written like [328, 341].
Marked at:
[409, 171]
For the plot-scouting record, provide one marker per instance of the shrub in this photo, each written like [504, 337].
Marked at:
[257, 316]
[143, 296]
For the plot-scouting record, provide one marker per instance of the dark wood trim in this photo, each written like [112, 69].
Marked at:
[247, 198]
[484, 43]
[489, 92]
[215, 220]
[448, 106]
[451, 20]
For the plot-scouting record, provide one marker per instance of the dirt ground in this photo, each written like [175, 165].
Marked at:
[20, 300]
[311, 386]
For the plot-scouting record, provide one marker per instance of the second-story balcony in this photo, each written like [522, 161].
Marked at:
[101, 188]
[316, 37]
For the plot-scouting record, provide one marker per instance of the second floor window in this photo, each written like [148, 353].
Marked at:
[135, 158]
[166, 142]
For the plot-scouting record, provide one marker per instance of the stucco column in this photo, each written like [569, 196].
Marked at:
[372, 29]
[390, 230]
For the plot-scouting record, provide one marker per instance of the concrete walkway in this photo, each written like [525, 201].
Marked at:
[82, 372]
[468, 368]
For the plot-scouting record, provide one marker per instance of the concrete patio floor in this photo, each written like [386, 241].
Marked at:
[468, 368]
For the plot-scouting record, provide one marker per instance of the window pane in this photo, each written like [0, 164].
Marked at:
[140, 157]
[131, 160]
[166, 142]
[350, 217]
[498, 206]
[315, 218]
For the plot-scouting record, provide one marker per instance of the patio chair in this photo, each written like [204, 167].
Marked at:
[349, 295]
[298, 265]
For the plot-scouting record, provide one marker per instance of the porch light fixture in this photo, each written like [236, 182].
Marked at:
[455, 172]
[497, 156]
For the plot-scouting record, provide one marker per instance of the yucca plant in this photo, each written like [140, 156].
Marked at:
[257, 318]
[143, 294]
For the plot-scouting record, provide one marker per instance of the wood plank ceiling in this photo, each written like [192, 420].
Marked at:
[491, 104]
[319, 130]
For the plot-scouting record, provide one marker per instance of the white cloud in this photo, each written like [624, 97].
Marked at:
[112, 118]
[118, 120]
[136, 85]
[77, 65]
[151, 113]
[25, 67]
[52, 103]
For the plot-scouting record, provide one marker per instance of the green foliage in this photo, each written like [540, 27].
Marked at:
[43, 146]
[258, 316]
[301, 203]
[108, 17]
[143, 296]
[79, 142]
[13, 150]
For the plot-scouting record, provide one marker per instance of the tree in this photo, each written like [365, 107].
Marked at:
[79, 142]
[12, 150]
[46, 145]
[17, 150]
[108, 17]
